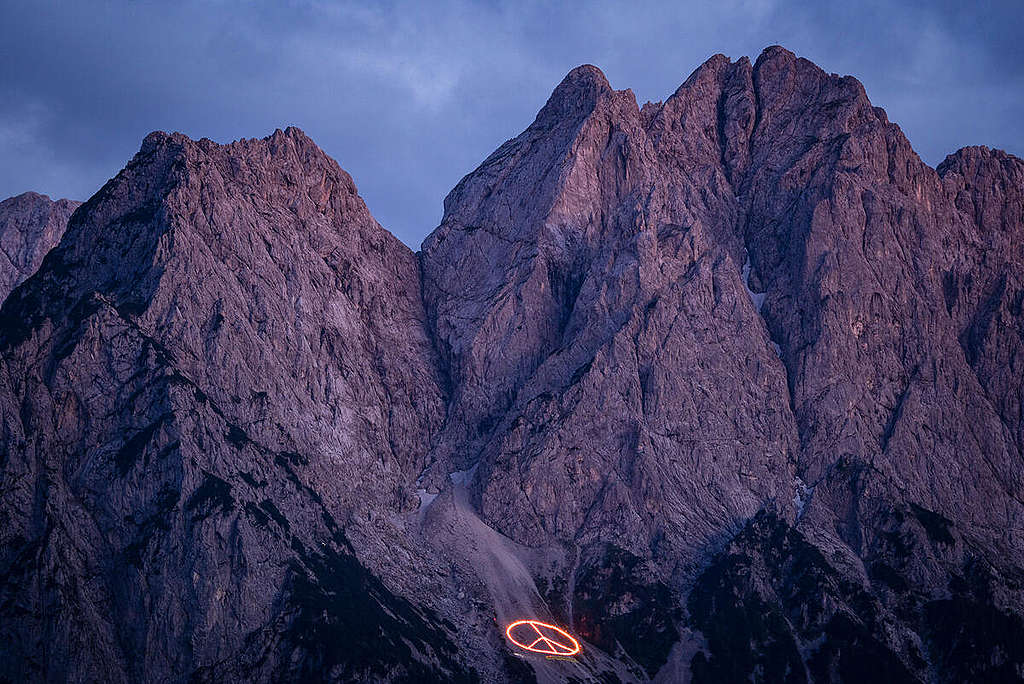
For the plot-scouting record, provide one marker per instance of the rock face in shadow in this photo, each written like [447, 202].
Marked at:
[30, 226]
[773, 605]
[730, 386]
[221, 365]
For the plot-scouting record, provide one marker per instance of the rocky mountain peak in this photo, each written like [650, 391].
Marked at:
[270, 379]
[30, 226]
[760, 197]
[576, 95]
[725, 385]
[987, 184]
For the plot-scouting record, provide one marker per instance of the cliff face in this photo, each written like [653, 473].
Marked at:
[222, 364]
[752, 296]
[30, 226]
[728, 385]
[592, 315]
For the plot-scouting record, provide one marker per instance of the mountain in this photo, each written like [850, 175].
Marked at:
[30, 226]
[729, 386]
[208, 377]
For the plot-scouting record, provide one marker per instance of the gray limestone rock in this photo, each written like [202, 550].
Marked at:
[729, 386]
[30, 226]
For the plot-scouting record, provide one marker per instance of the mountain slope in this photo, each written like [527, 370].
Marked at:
[565, 358]
[727, 385]
[630, 270]
[30, 226]
[205, 381]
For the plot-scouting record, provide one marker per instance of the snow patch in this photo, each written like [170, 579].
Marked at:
[802, 497]
[426, 498]
[756, 297]
[463, 477]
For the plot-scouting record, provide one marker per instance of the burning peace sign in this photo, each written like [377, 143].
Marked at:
[541, 637]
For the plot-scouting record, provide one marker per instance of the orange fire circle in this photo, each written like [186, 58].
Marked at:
[540, 637]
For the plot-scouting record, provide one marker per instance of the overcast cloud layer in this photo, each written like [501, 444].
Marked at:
[409, 97]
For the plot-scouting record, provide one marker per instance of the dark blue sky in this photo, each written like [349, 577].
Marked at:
[409, 97]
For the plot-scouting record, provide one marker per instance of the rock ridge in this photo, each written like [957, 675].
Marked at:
[726, 384]
[30, 226]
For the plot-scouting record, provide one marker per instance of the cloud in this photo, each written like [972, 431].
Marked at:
[409, 96]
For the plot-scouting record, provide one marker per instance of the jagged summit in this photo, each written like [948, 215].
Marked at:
[584, 77]
[156, 138]
[30, 226]
[579, 90]
[725, 385]
[30, 196]
[758, 198]
[259, 351]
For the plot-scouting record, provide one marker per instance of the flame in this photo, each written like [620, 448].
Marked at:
[552, 640]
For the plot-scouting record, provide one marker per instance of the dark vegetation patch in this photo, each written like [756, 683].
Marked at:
[1017, 303]
[851, 653]
[488, 423]
[554, 592]
[972, 641]
[937, 527]
[156, 518]
[889, 576]
[268, 506]
[24, 560]
[747, 637]
[131, 308]
[132, 450]
[252, 481]
[969, 639]
[619, 601]
[518, 670]
[256, 515]
[491, 421]
[282, 462]
[294, 458]
[580, 372]
[771, 594]
[144, 213]
[237, 437]
[213, 495]
[329, 522]
[950, 289]
[342, 624]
